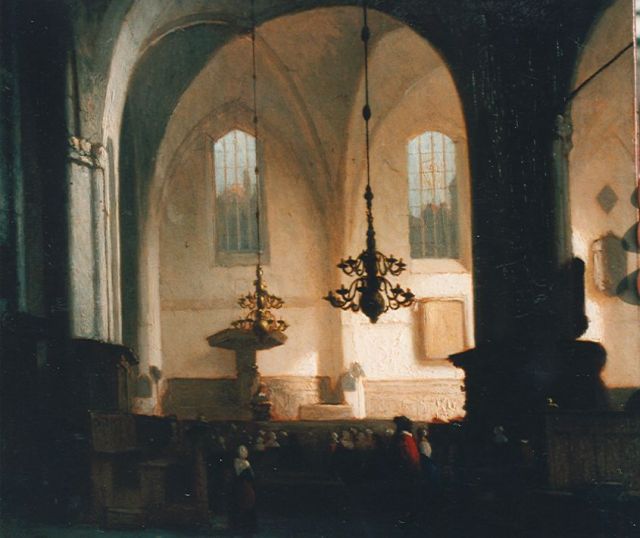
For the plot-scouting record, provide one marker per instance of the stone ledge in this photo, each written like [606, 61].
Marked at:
[419, 399]
[326, 412]
[216, 399]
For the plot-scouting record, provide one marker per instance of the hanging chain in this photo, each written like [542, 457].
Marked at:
[260, 319]
[366, 114]
[371, 292]
[366, 110]
[255, 127]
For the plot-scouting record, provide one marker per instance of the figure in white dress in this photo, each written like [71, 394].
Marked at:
[353, 389]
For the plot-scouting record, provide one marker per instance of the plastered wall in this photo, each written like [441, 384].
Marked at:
[421, 97]
[601, 164]
[313, 184]
[198, 294]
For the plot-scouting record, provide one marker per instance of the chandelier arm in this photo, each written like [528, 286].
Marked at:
[393, 265]
[352, 290]
[384, 290]
[275, 302]
[268, 316]
[381, 264]
[396, 296]
[347, 268]
[344, 297]
[352, 266]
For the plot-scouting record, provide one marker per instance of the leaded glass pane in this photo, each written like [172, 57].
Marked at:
[235, 192]
[433, 203]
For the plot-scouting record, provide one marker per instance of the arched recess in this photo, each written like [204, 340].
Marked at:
[163, 73]
[198, 292]
[602, 180]
[411, 91]
[156, 121]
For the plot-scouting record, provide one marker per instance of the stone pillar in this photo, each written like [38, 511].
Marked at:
[562, 146]
[514, 79]
[91, 295]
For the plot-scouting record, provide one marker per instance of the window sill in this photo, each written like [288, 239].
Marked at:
[437, 265]
[232, 259]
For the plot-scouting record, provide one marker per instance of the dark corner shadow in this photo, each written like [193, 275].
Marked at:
[630, 239]
[634, 198]
[627, 289]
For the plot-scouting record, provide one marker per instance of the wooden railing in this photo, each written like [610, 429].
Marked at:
[585, 448]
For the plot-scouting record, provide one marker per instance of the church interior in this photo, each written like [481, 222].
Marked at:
[184, 181]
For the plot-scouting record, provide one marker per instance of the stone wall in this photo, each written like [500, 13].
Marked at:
[216, 399]
[419, 399]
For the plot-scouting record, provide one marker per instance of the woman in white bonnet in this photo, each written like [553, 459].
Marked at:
[243, 498]
[424, 446]
[429, 468]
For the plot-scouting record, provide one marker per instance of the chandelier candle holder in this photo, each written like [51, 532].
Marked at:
[259, 329]
[260, 319]
[371, 292]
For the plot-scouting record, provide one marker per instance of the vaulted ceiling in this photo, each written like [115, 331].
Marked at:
[310, 69]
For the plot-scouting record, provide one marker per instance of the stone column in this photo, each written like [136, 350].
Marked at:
[562, 146]
[91, 296]
[513, 79]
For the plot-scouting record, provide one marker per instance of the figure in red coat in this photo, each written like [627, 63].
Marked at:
[404, 450]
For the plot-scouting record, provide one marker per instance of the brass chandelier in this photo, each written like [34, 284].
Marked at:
[260, 320]
[371, 292]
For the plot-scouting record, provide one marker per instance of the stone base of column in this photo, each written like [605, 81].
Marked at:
[513, 385]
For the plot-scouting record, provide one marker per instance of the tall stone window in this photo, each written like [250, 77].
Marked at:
[433, 197]
[236, 195]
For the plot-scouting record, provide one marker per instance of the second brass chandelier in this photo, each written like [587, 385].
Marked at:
[371, 292]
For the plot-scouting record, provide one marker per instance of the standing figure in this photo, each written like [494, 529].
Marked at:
[353, 389]
[331, 458]
[243, 496]
[499, 437]
[429, 468]
[333, 443]
[424, 446]
[404, 450]
[345, 457]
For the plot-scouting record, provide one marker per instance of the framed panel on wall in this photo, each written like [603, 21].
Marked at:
[441, 327]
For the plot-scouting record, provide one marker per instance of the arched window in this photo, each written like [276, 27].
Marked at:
[236, 195]
[433, 198]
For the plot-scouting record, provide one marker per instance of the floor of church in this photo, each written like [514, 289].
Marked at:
[362, 511]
